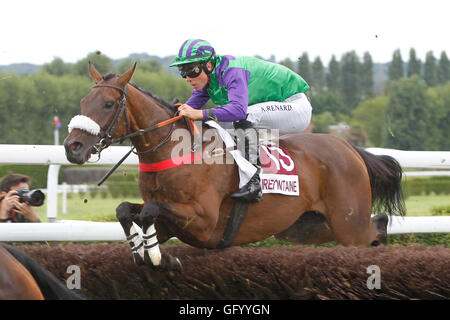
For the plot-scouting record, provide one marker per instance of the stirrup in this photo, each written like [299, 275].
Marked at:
[251, 192]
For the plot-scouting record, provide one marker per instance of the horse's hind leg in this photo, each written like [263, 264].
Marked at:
[311, 228]
[380, 221]
[352, 224]
[152, 253]
[127, 213]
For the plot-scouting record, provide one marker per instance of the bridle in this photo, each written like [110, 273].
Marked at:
[105, 135]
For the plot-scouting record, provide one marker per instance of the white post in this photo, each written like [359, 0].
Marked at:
[64, 197]
[52, 192]
[52, 179]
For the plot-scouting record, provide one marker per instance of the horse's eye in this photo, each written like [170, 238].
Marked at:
[109, 104]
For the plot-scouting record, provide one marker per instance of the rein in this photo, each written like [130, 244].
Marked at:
[106, 135]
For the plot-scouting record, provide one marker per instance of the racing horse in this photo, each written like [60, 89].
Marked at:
[22, 278]
[340, 185]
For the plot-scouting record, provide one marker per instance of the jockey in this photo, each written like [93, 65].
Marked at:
[251, 93]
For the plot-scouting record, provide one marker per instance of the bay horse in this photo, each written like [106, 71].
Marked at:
[22, 278]
[339, 184]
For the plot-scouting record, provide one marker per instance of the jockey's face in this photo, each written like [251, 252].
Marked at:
[200, 82]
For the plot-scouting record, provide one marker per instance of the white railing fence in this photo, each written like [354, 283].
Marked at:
[54, 157]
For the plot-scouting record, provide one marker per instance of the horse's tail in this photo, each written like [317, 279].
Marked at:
[385, 176]
[51, 288]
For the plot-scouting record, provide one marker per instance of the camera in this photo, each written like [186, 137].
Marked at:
[34, 198]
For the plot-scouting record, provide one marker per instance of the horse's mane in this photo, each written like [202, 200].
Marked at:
[166, 104]
[161, 101]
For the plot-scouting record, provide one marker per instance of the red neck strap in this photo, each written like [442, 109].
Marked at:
[170, 163]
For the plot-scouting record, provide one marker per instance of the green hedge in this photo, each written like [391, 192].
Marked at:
[37, 173]
[426, 239]
[440, 211]
[124, 184]
[414, 186]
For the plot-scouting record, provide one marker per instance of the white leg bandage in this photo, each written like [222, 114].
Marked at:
[151, 245]
[84, 123]
[136, 242]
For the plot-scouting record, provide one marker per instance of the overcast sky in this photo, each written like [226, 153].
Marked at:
[37, 31]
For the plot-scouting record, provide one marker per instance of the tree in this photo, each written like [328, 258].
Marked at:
[102, 64]
[443, 69]
[396, 66]
[439, 128]
[371, 115]
[288, 64]
[367, 76]
[304, 68]
[329, 101]
[430, 73]
[351, 81]
[414, 64]
[333, 75]
[407, 114]
[322, 121]
[57, 67]
[318, 74]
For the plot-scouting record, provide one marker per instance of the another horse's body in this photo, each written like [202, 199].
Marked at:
[22, 278]
[192, 202]
[16, 282]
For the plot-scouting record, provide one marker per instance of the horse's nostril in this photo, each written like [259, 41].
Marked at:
[75, 146]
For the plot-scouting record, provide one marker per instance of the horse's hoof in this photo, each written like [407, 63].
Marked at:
[138, 259]
[177, 266]
[170, 263]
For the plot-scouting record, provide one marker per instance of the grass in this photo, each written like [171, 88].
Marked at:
[421, 205]
[84, 207]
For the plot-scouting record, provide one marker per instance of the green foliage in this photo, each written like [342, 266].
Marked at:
[367, 76]
[396, 66]
[407, 114]
[350, 80]
[123, 184]
[321, 122]
[288, 63]
[318, 82]
[430, 72]
[102, 63]
[443, 69]
[304, 68]
[37, 173]
[333, 77]
[427, 239]
[371, 115]
[426, 185]
[57, 67]
[439, 128]
[329, 102]
[414, 64]
[440, 211]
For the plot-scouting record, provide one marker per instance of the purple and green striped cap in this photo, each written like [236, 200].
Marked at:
[193, 50]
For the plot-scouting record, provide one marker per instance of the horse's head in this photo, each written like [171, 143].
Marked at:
[103, 116]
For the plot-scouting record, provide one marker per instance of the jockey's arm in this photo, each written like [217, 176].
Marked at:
[236, 82]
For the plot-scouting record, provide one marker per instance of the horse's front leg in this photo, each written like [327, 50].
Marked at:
[127, 213]
[152, 252]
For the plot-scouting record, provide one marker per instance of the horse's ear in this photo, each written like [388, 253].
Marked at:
[95, 75]
[126, 76]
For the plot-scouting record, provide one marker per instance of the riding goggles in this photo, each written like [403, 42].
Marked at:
[190, 71]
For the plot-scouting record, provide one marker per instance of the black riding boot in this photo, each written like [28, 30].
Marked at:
[251, 192]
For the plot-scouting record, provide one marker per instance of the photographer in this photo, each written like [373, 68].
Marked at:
[14, 208]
